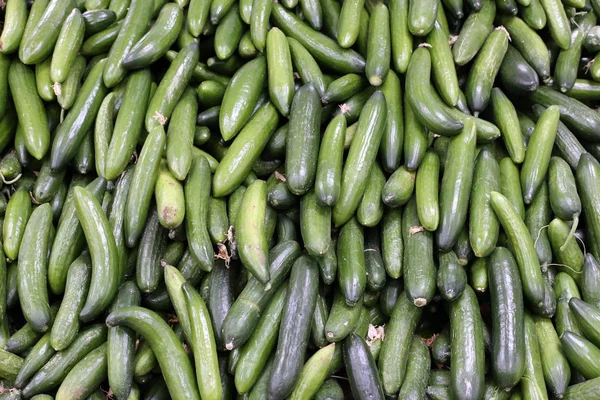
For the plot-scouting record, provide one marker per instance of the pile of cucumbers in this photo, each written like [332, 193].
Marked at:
[254, 199]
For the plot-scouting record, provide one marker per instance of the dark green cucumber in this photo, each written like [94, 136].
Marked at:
[522, 246]
[103, 250]
[342, 318]
[584, 122]
[254, 355]
[516, 74]
[324, 49]
[529, 43]
[303, 138]
[537, 217]
[507, 120]
[71, 132]
[295, 325]
[171, 357]
[451, 276]
[483, 224]
[508, 337]
[399, 187]
[456, 186]
[468, 356]
[362, 371]
[129, 122]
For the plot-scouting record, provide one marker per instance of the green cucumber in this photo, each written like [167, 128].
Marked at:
[419, 276]
[508, 335]
[483, 224]
[468, 357]
[456, 186]
[294, 330]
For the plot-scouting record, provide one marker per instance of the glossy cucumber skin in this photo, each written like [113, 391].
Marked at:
[395, 351]
[33, 294]
[507, 322]
[294, 330]
[362, 154]
[468, 355]
[456, 186]
[362, 372]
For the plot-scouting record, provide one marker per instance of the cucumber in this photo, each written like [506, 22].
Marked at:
[451, 277]
[522, 246]
[245, 150]
[456, 186]
[484, 227]
[558, 23]
[395, 350]
[30, 110]
[427, 191]
[421, 16]
[508, 335]
[556, 369]
[417, 370]
[587, 175]
[330, 161]
[378, 44]
[66, 324]
[588, 317]
[390, 150]
[155, 43]
[507, 120]
[295, 326]
[31, 279]
[342, 318]
[361, 157]
[468, 355]
[133, 29]
[516, 74]
[362, 371]
[85, 376]
[303, 138]
[582, 354]
[484, 70]
[473, 33]
[37, 43]
[315, 224]
[419, 276]
[121, 345]
[422, 97]
[351, 262]
[590, 280]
